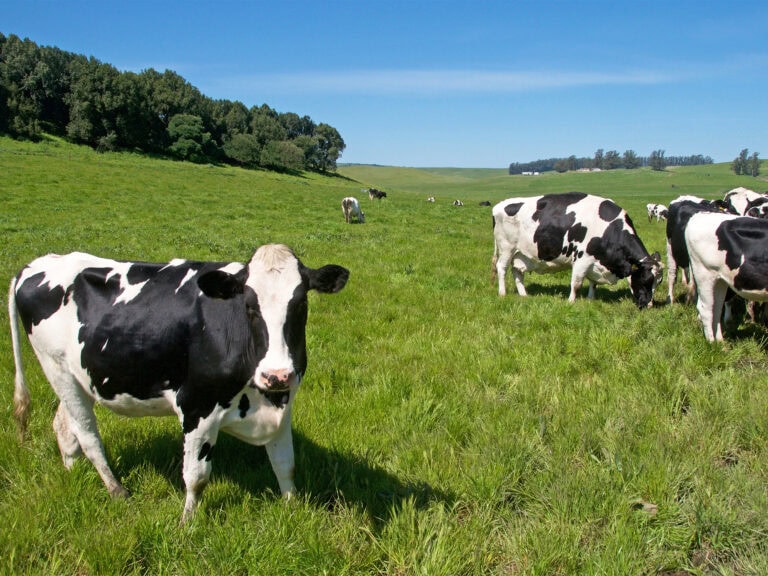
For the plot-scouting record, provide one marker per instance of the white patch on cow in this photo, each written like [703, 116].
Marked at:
[187, 277]
[273, 274]
[262, 419]
[128, 405]
[105, 345]
[232, 267]
[175, 263]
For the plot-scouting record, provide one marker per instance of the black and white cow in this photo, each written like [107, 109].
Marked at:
[458, 203]
[375, 194]
[726, 251]
[680, 211]
[739, 200]
[350, 207]
[658, 211]
[220, 345]
[589, 234]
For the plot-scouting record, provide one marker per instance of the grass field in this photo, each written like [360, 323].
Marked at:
[439, 430]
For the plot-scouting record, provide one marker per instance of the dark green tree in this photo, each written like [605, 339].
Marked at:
[612, 160]
[631, 160]
[188, 137]
[657, 161]
[754, 165]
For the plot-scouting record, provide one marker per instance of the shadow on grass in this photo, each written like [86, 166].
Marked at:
[326, 476]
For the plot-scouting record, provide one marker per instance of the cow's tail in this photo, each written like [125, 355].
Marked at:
[20, 392]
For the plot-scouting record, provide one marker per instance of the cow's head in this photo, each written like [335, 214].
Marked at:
[644, 278]
[274, 287]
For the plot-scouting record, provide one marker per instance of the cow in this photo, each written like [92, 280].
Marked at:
[458, 203]
[485, 203]
[658, 211]
[680, 211]
[351, 209]
[726, 251]
[221, 345]
[374, 194]
[431, 199]
[757, 208]
[589, 234]
[739, 199]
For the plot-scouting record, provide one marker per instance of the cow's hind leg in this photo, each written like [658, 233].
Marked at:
[81, 428]
[68, 445]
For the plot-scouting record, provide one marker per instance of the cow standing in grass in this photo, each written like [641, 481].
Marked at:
[221, 345]
[591, 235]
[726, 251]
[350, 207]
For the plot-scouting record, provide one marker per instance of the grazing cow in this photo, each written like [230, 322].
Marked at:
[680, 211]
[220, 345]
[739, 199]
[458, 203]
[658, 211]
[726, 251]
[376, 194]
[351, 209]
[589, 234]
[431, 199]
[485, 203]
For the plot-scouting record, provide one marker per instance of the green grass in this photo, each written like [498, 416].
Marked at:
[439, 430]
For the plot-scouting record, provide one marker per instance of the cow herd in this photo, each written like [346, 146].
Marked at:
[222, 346]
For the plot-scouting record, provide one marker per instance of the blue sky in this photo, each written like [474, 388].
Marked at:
[452, 83]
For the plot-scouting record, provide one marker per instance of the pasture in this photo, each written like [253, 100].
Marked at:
[439, 429]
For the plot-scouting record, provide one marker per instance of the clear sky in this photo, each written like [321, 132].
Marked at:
[462, 83]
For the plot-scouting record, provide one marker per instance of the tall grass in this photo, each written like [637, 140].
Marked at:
[439, 430]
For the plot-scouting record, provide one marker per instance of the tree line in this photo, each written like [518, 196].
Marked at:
[47, 90]
[609, 160]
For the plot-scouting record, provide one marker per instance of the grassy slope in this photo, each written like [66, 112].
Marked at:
[440, 429]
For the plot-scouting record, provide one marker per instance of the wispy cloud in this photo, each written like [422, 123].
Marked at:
[445, 81]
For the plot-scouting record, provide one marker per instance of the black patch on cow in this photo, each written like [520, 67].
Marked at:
[37, 301]
[744, 242]
[278, 398]
[206, 452]
[554, 223]
[244, 405]
[608, 211]
[166, 337]
[678, 215]
[512, 209]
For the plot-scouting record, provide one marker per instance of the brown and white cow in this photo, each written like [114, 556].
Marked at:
[221, 345]
[350, 207]
[589, 234]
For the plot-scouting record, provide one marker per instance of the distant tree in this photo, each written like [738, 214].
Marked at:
[657, 161]
[631, 160]
[754, 165]
[598, 161]
[188, 138]
[612, 160]
[329, 148]
[572, 162]
[243, 149]
[740, 164]
[561, 166]
[283, 155]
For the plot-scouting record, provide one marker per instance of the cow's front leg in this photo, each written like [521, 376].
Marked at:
[198, 451]
[280, 452]
[577, 280]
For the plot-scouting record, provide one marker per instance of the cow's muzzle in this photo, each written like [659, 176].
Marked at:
[276, 380]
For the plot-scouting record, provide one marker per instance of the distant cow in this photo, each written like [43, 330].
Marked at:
[658, 211]
[680, 211]
[485, 203]
[219, 344]
[458, 203]
[591, 235]
[376, 194]
[431, 199]
[726, 251]
[351, 209]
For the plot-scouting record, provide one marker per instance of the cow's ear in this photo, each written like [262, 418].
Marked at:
[329, 279]
[220, 284]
